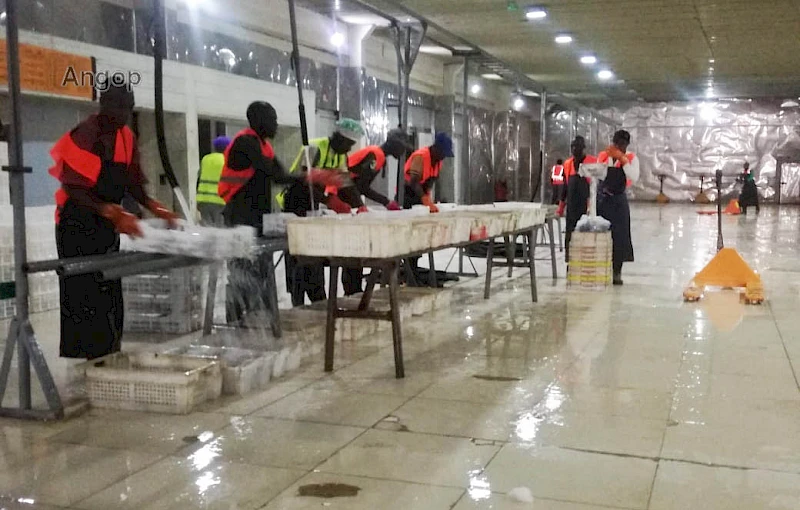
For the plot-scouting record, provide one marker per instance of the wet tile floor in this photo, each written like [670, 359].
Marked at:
[627, 398]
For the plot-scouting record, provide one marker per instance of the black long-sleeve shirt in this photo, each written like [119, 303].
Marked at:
[364, 175]
[254, 200]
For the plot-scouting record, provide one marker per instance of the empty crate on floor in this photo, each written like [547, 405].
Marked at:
[243, 370]
[590, 260]
[152, 382]
[166, 302]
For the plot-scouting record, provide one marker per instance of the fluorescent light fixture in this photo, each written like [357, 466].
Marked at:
[588, 59]
[337, 39]
[535, 13]
[337, 5]
[605, 74]
[519, 103]
[790, 104]
[563, 39]
[476, 88]
[365, 19]
[530, 93]
[432, 49]
[492, 76]
[711, 61]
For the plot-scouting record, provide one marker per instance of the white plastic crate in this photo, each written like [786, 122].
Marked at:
[590, 260]
[274, 225]
[152, 382]
[242, 370]
[192, 240]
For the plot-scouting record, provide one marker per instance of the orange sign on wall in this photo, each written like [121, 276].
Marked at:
[51, 71]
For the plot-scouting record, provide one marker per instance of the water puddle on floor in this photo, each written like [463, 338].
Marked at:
[496, 378]
[329, 490]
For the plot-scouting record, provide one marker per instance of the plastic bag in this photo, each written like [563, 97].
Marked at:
[593, 224]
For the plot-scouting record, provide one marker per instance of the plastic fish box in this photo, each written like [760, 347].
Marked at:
[242, 370]
[152, 382]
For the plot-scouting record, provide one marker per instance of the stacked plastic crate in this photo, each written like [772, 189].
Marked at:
[170, 302]
[590, 260]
[44, 293]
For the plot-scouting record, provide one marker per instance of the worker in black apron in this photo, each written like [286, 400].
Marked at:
[612, 199]
[575, 193]
[97, 164]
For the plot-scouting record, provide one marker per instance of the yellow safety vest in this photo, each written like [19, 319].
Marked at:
[327, 160]
[210, 172]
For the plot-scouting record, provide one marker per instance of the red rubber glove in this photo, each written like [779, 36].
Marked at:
[334, 203]
[363, 209]
[124, 222]
[393, 206]
[426, 200]
[325, 178]
[561, 206]
[160, 211]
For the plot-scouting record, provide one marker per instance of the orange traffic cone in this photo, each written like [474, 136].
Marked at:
[733, 208]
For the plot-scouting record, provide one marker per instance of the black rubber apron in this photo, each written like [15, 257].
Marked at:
[612, 204]
[92, 315]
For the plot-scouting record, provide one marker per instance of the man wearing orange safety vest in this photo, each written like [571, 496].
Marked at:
[612, 199]
[97, 163]
[364, 166]
[246, 187]
[422, 171]
[557, 180]
[575, 194]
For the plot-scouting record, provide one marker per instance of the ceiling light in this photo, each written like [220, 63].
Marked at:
[563, 39]
[432, 49]
[588, 59]
[519, 103]
[711, 69]
[711, 61]
[605, 74]
[476, 88]
[790, 104]
[710, 92]
[530, 93]
[536, 13]
[492, 76]
[337, 5]
[337, 39]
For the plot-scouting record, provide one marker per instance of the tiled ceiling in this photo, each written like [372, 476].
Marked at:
[658, 49]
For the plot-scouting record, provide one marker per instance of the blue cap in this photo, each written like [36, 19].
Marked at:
[444, 143]
[221, 143]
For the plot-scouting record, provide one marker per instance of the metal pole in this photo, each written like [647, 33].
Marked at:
[402, 109]
[465, 156]
[17, 192]
[542, 143]
[301, 107]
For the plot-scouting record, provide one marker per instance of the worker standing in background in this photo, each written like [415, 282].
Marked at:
[364, 166]
[612, 200]
[749, 195]
[209, 203]
[329, 155]
[422, 171]
[97, 163]
[246, 187]
[557, 181]
[575, 193]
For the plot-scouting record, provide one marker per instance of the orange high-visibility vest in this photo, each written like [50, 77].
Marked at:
[557, 174]
[357, 157]
[569, 166]
[87, 164]
[603, 158]
[429, 170]
[232, 181]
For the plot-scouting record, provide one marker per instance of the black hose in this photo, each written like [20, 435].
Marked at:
[159, 51]
[720, 242]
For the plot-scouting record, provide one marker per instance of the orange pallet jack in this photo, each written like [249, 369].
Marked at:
[727, 269]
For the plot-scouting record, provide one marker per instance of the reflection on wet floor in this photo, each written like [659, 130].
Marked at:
[628, 398]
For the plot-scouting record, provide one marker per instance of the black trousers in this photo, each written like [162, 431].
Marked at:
[305, 280]
[92, 314]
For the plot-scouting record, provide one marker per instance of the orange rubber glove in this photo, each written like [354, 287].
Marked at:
[363, 209]
[614, 152]
[124, 222]
[393, 206]
[426, 200]
[561, 206]
[160, 211]
[335, 203]
[325, 178]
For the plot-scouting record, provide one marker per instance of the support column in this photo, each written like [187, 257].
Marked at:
[192, 142]
[465, 148]
[542, 144]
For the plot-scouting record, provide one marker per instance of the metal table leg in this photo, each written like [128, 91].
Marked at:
[552, 236]
[333, 310]
[487, 289]
[511, 254]
[272, 296]
[532, 262]
[397, 332]
[560, 235]
[211, 294]
[431, 271]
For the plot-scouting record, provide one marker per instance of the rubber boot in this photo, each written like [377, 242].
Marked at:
[617, 274]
